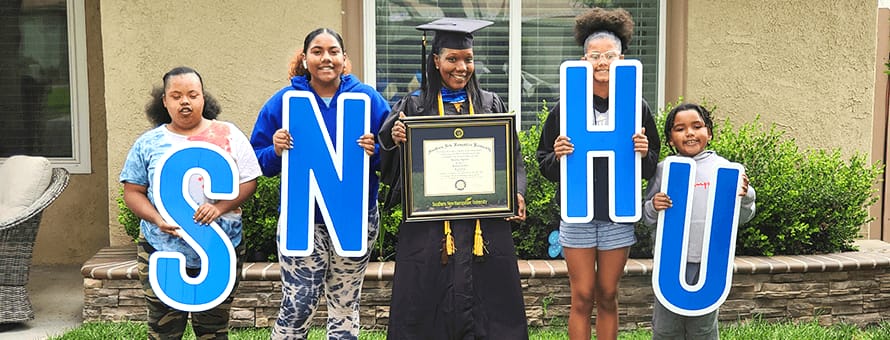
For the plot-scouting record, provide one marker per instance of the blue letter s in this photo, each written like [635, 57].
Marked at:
[167, 273]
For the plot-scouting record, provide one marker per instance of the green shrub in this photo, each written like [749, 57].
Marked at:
[542, 212]
[385, 247]
[807, 202]
[127, 218]
[260, 220]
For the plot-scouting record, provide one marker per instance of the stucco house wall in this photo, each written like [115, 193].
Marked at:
[807, 66]
[241, 49]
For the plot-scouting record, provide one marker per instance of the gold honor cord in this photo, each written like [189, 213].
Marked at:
[448, 247]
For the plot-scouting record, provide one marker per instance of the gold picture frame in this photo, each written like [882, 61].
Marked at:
[459, 167]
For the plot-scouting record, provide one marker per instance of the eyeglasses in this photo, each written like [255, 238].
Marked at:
[608, 56]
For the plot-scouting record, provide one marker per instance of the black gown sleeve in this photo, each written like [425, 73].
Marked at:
[548, 164]
[390, 161]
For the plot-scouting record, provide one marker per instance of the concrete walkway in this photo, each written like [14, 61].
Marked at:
[56, 293]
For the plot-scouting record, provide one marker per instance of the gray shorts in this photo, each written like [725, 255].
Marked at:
[596, 234]
[668, 325]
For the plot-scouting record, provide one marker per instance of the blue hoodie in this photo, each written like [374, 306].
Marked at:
[269, 120]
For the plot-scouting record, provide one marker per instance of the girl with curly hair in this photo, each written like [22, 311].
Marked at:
[597, 251]
[182, 112]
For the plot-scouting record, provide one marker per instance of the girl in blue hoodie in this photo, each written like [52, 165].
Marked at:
[320, 68]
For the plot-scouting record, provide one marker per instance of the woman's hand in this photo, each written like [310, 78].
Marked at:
[282, 140]
[521, 213]
[562, 146]
[366, 141]
[136, 198]
[744, 185]
[661, 201]
[398, 130]
[206, 213]
[641, 143]
[167, 228]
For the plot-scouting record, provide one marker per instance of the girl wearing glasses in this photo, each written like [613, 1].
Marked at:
[597, 251]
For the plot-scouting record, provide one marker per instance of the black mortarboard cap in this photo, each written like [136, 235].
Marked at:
[454, 33]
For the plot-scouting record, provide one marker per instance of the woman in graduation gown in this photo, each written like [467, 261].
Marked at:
[448, 283]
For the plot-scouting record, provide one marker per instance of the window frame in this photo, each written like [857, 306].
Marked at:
[515, 49]
[79, 162]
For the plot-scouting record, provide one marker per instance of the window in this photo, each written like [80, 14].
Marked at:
[43, 91]
[543, 37]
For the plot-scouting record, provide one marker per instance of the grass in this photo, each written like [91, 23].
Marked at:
[756, 329]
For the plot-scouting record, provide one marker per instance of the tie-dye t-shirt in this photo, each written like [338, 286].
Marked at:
[142, 162]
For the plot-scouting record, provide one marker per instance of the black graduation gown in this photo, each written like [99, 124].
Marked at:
[467, 298]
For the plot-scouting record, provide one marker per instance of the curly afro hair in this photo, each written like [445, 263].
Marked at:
[157, 114]
[617, 21]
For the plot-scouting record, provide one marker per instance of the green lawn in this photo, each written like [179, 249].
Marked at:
[758, 330]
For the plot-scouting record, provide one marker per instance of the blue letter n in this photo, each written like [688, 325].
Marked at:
[316, 173]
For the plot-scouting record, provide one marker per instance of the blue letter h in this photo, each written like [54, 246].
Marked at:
[613, 140]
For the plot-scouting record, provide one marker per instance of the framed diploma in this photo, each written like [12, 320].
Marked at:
[459, 167]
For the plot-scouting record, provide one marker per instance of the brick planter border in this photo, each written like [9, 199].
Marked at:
[852, 287]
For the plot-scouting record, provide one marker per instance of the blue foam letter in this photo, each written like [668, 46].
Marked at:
[613, 140]
[167, 269]
[672, 239]
[315, 172]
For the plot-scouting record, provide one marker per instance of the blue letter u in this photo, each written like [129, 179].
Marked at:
[671, 242]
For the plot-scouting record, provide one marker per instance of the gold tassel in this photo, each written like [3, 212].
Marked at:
[478, 244]
[448, 246]
[449, 239]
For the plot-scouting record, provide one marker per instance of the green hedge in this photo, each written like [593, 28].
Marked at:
[808, 202]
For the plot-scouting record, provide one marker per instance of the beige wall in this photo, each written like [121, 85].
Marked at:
[241, 49]
[808, 66]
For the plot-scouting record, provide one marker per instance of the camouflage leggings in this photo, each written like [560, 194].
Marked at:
[168, 323]
[340, 278]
